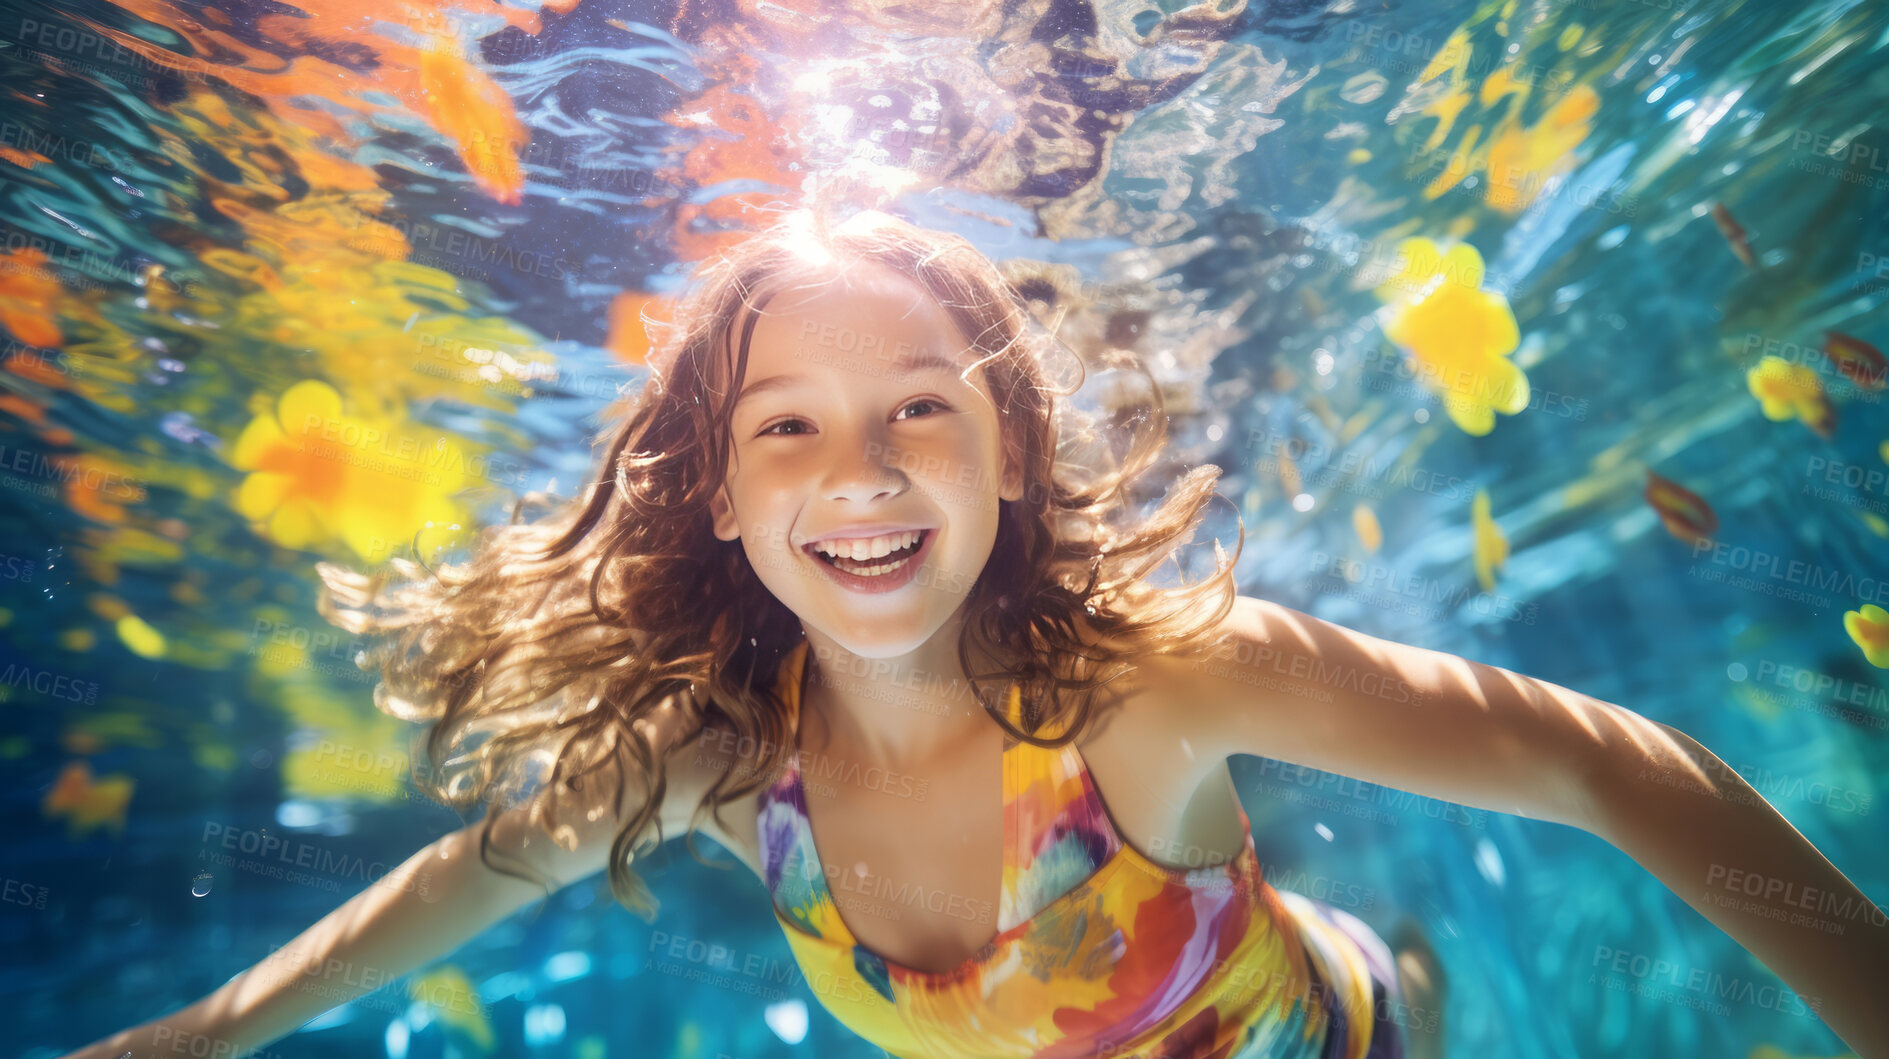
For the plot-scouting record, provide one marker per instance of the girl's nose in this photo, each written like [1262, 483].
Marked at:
[862, 471]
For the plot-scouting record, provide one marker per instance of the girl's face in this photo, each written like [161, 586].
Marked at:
[857, 436]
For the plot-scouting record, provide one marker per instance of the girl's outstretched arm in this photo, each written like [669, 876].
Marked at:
[434, 902]
[1292, 687]
[1694, 822]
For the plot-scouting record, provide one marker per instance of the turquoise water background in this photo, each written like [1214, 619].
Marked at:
[1253, 195]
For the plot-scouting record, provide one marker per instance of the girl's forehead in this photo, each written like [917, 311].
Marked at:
[865, 312]
[865, 286]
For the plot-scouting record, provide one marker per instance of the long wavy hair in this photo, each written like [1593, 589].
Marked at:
[543, 659]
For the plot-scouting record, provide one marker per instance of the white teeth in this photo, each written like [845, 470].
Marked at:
[868, 548]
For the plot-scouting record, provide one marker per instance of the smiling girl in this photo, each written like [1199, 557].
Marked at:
[857, 596]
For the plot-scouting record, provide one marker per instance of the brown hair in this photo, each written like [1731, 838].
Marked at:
[558, 636]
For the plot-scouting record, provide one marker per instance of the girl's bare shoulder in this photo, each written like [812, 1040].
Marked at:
[1135, 706]
[1137, 747]
[716, 751]
[690, 767]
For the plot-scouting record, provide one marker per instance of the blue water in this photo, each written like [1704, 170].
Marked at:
[1266, 168]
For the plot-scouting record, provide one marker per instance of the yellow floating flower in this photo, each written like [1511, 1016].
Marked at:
[140, 637]
[454, 1000]
[1500, 82]
[1454, 54]
[1869, 627]
[1519, 160]
[1492, 546]
[1791, 391]
[1364, 522]
[1523, 160]
[89, 804]
[319, 474]
[1459, 336]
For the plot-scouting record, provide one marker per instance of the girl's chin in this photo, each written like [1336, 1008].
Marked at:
[881, 636]
[877, 644]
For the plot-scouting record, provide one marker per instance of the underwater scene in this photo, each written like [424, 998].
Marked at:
[1544, 334]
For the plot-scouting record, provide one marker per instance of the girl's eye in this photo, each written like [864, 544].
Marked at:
[783, 423]
[776, 431]
[926, 401]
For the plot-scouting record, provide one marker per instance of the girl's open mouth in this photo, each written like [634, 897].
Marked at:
[878, 573]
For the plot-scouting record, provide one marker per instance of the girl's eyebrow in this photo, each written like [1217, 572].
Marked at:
[909, 364]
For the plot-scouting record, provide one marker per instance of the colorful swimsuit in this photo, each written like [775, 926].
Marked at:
[1099, 951]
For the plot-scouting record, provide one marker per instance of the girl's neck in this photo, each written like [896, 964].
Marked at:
[892, 712]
